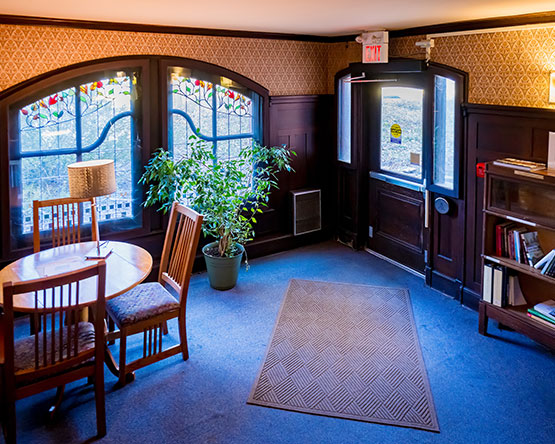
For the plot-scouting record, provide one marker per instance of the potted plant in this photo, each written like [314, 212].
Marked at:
[229, 193]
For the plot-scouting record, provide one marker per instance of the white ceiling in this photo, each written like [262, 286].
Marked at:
[316, 17]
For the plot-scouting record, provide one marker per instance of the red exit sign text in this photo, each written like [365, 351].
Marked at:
[374, 54]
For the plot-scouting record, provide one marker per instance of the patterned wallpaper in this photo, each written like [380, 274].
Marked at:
[284, 67]
[505, 68]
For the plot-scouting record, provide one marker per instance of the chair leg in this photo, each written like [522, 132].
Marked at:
[111, 327]
[10, 420]
[32, 324]
[122, 356]
[165, 327]
[183, 337]
[57, 401]
[99, 396]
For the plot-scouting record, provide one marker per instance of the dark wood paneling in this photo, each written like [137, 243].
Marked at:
[494, 132]
[302, 123]
[447, 248]
[347, 207]
[499, 136]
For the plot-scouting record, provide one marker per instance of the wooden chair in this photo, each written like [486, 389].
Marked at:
[146, 308]
[66, 216]
[66, 350]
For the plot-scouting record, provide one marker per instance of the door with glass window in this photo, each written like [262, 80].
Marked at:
[410, 142]
[395, 140]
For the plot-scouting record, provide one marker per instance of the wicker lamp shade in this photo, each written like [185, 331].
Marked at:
[91, 178]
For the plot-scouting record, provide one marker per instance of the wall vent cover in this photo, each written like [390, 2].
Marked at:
[307, 214]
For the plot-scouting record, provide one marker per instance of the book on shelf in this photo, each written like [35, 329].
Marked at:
[541, 315]
[520, 164]
[517, 252]
[514, 293]
[541, 321]
[498, 287]
[501, 286]
[531, 245]
[488, 283]
[501, 238]
[545, 260]
[548, 268]
[547, 308]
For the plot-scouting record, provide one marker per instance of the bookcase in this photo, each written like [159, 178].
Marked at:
[528, 200]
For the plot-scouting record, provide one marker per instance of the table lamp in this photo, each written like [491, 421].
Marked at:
[92, 178]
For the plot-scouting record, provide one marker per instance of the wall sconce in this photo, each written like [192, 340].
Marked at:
[552, 87]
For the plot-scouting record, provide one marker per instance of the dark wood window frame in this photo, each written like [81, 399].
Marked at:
[429, 71]
[153, 131]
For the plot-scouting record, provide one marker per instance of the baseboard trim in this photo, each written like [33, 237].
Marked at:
[397, 264]
[470, 299]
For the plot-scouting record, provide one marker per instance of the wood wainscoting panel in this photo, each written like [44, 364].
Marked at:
[303, 124]
[394, 211]
[397, 218]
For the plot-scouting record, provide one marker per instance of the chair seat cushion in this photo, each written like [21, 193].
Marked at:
[142, 302]
[24, 348]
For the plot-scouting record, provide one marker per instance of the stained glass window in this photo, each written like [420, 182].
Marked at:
[89, 120]
[215, 109]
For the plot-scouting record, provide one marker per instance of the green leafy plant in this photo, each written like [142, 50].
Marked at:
[229, 193]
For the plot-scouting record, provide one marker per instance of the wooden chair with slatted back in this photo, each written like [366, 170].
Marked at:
[66, 215]
[65, 350]
[146, 308]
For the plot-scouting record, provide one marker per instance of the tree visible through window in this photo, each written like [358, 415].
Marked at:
[96, 111]
[92, 120]
[219, 114]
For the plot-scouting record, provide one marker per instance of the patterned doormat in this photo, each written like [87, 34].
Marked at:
[348, 351]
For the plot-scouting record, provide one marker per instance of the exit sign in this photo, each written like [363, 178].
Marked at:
[375, 47]
[374, 54]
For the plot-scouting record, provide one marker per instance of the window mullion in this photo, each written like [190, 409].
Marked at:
[214, 124]
[78, 131]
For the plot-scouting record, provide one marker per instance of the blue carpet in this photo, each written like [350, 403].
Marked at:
[486, 390]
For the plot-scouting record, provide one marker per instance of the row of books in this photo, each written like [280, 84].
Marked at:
[547, 264]
[520, 164]
[501, 286]
[544, 313]
[517, 243]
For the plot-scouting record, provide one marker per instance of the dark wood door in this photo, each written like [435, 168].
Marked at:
[396, 141]
[397, 223]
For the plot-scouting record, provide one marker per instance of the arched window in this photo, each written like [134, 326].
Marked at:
[89, 117]
[212, 107]
[112, 109]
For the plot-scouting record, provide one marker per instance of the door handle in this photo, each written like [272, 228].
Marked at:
[426, 208]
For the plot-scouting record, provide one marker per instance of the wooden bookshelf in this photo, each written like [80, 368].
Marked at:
[528, 200]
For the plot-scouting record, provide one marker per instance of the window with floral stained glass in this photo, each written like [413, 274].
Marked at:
[86, 120]
[215, 109]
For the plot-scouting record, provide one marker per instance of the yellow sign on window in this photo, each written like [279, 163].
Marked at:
[396, 133]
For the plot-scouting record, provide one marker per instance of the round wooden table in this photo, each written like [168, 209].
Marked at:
[126, 266]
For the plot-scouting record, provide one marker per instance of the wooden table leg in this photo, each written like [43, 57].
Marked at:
[113, 367]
